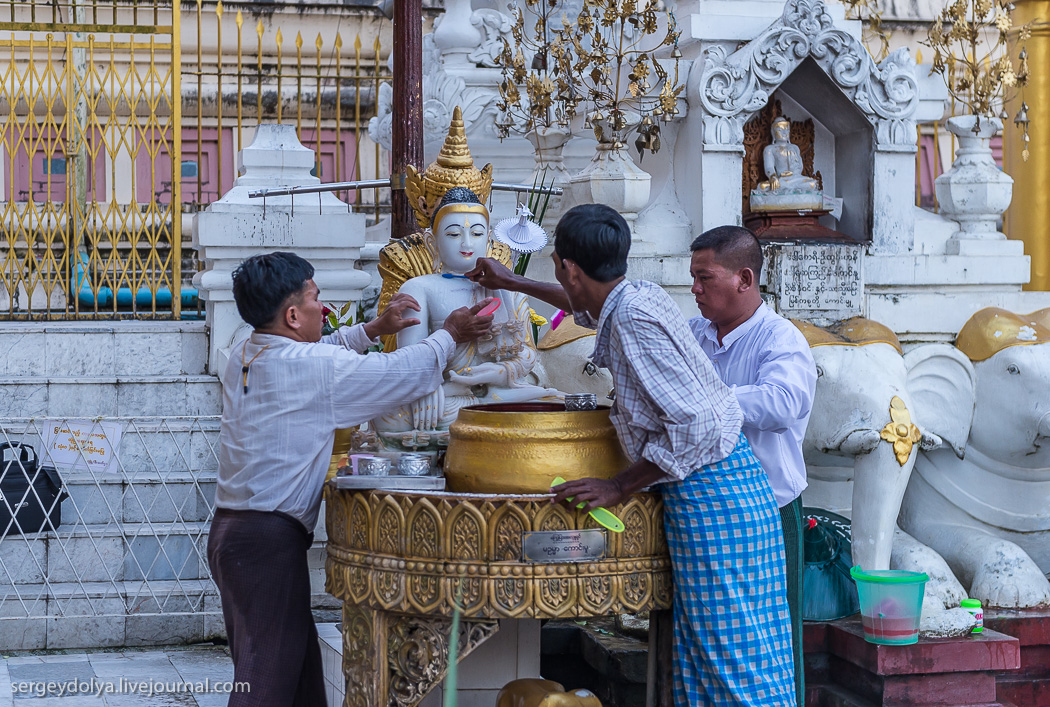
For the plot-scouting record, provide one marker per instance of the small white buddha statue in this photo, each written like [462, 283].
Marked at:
[492, 370]
[787, 188]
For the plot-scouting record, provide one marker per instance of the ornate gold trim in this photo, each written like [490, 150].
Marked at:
[396, 659]
[567, 332]
[411, 553]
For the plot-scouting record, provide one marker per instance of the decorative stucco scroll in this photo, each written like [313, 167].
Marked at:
[734, 86]
[442, 92]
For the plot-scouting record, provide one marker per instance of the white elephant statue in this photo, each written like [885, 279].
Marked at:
[873, 408]
[564, 362]
[985, 506]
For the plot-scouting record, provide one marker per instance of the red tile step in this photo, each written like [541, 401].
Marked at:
[844, 670]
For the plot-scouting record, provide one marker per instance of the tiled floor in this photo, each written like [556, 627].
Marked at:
[183, 676]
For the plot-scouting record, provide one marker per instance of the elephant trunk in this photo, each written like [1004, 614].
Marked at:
[879, 483]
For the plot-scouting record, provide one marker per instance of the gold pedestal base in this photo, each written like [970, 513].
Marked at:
[396, 659]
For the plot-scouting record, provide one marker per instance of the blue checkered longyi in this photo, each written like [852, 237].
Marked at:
[732, 630]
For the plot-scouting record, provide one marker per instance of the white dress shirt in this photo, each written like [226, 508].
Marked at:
[275, 442]
[670, 406]
[767, 362]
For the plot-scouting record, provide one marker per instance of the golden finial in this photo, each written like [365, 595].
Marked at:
[454, 167]
[455, 153]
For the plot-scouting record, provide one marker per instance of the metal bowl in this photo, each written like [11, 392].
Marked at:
[581, 401]
[373, 466]
[521, 447]
[413, 465]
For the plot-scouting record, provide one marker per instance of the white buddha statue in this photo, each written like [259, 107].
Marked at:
[492, 370]
[787, 188]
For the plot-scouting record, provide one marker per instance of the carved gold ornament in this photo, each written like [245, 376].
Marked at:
[411, 553]
[992, 329]
[454, 167]
[621, 58]
[900, 431]
[972, 42]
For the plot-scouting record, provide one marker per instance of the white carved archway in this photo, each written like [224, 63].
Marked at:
[734, 86]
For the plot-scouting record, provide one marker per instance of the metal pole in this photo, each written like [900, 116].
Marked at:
[373, 183]
[76, 104]
[407, 110]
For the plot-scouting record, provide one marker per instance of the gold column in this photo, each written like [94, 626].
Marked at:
[1029, 213]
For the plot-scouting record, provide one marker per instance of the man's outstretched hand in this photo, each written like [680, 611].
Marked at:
[464, 324]
[393, 320]
[494, 275]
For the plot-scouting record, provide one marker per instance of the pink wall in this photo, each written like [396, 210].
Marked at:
[27, 175]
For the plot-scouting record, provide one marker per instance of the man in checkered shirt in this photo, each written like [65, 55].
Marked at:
[680, 427]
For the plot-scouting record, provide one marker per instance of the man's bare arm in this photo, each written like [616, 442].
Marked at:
[495, 275]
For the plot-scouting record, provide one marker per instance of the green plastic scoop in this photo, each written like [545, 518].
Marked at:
[602, 516]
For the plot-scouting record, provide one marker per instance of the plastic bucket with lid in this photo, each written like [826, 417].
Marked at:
[890, 604]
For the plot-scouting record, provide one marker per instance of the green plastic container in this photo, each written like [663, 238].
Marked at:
[975, 609]
[890, 604]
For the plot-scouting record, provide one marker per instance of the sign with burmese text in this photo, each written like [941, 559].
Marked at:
[81, 444]
[823, 279]
[563, 545]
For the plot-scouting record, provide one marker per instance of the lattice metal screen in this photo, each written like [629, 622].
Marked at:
[90, 222]
[127, 561]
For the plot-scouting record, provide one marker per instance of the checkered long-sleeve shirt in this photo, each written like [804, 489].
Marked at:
[671, 408]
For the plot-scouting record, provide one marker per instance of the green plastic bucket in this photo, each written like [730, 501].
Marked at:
[890, 604]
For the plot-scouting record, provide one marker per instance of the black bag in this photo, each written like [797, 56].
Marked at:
[30, 495]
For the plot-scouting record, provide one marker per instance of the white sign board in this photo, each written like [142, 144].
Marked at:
[83, 444]
[817, 280]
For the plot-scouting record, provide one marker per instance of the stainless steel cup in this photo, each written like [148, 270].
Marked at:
[581, 401]
[413, 465]
[373, 466]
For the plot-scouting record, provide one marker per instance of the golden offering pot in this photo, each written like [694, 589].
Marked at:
[517, 448]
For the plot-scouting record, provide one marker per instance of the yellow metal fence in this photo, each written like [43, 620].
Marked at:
[250, 69]
[120, 118]
[86, 89]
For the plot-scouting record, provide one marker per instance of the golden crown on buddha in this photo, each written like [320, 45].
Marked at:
[454, 167]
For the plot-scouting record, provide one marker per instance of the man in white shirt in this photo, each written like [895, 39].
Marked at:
[766, 361]
[285, 392]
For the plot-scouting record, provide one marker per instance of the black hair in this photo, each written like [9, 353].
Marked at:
[596, 238]
[263, 283]
[735, 248]
[455, 195]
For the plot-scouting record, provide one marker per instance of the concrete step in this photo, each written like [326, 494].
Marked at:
[103, 349]
[105, 553]
[117, 396]
[137, 498]
[102, 614]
